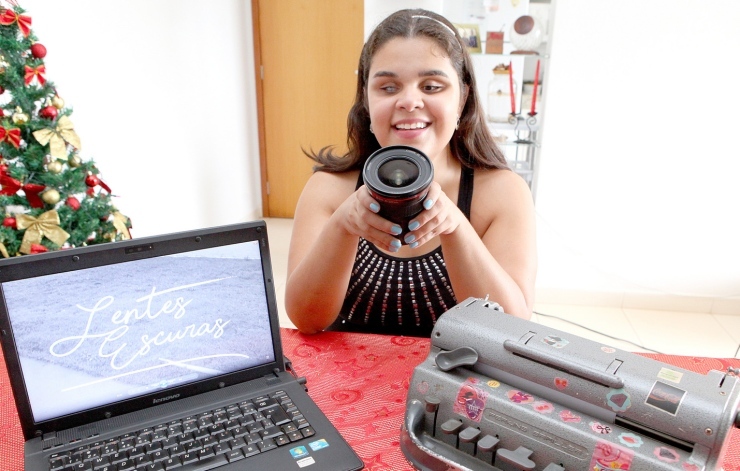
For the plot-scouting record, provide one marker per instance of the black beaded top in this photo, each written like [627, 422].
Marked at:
[400, 296]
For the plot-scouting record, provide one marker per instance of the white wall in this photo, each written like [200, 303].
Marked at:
[638, 183]
[163, 100]
[637, 186]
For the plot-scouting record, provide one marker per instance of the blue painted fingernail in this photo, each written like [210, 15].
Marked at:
[409, 238]
[413, 245]
[395, 243]
[374, 207]
[396, 229]
[414, 225]
[428, 204]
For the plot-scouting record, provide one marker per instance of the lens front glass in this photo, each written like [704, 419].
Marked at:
[398, 173]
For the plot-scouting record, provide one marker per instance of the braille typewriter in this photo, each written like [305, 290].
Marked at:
[501, 393]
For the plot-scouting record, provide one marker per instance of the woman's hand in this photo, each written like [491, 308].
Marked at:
[440, 216]
[361, 219]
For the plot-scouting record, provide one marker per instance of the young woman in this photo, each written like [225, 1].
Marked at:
[347, 268]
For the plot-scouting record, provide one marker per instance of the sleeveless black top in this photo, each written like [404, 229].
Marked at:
[399, 296]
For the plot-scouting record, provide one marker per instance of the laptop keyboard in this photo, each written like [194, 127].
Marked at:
[198, 442]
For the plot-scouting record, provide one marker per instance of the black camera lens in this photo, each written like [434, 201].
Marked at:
[398, 178]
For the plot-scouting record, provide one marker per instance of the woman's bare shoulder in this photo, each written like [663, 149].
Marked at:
[499, 193]
[329, 189]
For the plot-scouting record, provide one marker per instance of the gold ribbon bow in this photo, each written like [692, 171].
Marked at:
[119, 222]
[47, 224]
[59, 137]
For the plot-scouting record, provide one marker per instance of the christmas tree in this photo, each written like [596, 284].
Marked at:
[50, 197]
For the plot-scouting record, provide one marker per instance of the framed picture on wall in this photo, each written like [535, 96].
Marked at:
[470, 34]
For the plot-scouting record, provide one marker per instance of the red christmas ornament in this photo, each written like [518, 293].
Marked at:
[92, 181]
[10, 222]
[2, 90]
[73, 203]
[49, 112]
[38, 248]
[38, 50]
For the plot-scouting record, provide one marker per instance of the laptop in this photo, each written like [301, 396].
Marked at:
[159, 353]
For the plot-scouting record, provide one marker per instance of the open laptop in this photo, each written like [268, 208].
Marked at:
[158, 353]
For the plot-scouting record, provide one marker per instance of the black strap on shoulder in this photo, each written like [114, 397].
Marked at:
[465, 193]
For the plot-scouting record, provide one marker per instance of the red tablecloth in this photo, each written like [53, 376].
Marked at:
[360, 381]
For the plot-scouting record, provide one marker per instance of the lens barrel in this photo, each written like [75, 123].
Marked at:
[398, 178]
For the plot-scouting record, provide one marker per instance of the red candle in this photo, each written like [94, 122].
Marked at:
[534, 90]
[511, 88]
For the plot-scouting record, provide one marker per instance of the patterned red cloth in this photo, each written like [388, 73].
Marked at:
[360, 381]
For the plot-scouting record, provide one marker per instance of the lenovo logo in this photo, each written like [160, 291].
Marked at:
[165, 399]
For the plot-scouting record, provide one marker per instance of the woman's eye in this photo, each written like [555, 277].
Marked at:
[432, 88]
[389, 88]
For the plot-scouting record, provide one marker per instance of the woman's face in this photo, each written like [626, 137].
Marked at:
[413, 95]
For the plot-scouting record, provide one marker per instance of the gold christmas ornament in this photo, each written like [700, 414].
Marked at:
[55, 167]
[47, 224]
[57, 102]
[19, 117]
[3, 64]
[74, 161]
[50, 196]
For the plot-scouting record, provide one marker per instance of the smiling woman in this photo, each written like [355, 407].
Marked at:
[350, 268]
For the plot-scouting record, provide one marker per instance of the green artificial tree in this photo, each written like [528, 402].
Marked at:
[50, 197]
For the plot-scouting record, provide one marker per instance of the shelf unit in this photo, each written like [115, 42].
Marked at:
[521, 137]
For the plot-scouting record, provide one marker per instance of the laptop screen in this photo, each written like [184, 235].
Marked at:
[101, 335]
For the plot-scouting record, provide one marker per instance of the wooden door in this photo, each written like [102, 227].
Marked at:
[306, 54]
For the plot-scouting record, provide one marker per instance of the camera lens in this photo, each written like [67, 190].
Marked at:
[398, 173]
[398, 178]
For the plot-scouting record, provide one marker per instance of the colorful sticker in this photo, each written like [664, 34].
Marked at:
[493, 383]
[555, 341]
[422, 387]
[666, 454]
[690, 467]
[665, 397]
[561, 383]
[318, 444]
[471, 400]
[631, 440]
[619, 400]
[520, 397]
[298, 452]
[608, 349]
[608, 456]
[670, 375]
[543, 407]
[570, 417]
[600, 428]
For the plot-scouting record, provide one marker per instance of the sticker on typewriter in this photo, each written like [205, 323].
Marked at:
[608, 456]
[619, 400]
[561, 383]
[665, 397]
[600, 428]
[569, 417]
[520, 397]
[631, 440]
[471, 400]
[670, 375]
[555, 341]
[666, 454]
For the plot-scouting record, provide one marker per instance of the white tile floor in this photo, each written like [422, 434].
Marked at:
[632, 329]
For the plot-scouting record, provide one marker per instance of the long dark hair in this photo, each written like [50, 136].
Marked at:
[472, 143]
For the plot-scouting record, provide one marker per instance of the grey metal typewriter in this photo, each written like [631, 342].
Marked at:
[501, 393]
